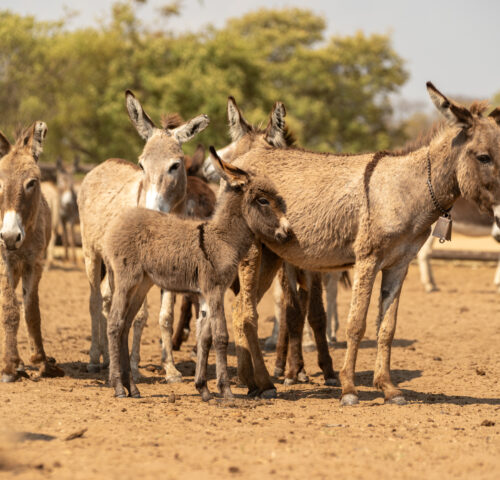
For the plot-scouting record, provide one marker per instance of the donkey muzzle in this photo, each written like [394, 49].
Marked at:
[12, 231]
[282, 233]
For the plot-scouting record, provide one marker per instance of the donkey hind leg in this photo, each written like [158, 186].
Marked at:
[282, 343]
[272, 341]
[120, 319]
[65, 239]
[424, 264]
[31, 279]
[10, 322]
[204, 341]
[140, 322]
[497, 276]
[331, 283]
[107, 295]
[220, 339]
[172, 375]
[364, 276]
[72, 241]
[51, 249]
[392, 281]
[317, 318]
[182, 331]
[93, 269]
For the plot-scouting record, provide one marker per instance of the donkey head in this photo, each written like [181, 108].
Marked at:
[477, 146]
[244, 136]
[20, 192]
[262, 207]
[162, 159]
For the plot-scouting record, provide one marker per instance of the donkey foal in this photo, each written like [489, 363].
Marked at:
[143, 247]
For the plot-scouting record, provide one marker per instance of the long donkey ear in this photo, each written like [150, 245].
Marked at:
[276, 131]
[187, 131]
[234, 176]
[140, 119]
[33, 138]
[4, 145]
[455, 114]
[238, 126]
[495, 114]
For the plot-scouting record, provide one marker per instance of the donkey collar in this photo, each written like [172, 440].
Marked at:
[445, 213]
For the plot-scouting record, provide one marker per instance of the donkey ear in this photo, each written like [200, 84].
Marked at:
[276, 130]
[33, 138]
[234, 176]
[495, 114]
[238, 126]
[187, 131]
[455, 114]
[4, 145]
[140, 119]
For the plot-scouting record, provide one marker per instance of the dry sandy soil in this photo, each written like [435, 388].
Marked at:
[445, 358]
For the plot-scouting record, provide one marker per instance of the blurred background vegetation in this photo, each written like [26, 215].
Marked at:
[337, 90]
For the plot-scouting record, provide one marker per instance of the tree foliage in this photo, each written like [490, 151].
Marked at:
[337, 91]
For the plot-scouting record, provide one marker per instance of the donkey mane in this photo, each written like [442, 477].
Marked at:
[289, 136]
[171, 120]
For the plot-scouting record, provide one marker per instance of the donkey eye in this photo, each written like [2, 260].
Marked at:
[31, 184]
[263, 201]
[174, 167]
[484, 158]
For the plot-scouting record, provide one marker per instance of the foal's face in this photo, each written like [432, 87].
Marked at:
[164, 174]
[19, 196]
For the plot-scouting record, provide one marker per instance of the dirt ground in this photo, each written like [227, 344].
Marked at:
[445, 358]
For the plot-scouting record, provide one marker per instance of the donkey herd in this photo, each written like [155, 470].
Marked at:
[281, 211]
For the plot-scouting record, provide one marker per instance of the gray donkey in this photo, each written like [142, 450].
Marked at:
[371, 212]
[142, 247]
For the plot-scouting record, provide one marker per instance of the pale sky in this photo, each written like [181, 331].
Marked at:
[453, 43]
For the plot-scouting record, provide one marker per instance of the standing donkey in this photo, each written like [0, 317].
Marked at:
[158, 183]
[371, 212]
[144, 247]
[24, 235]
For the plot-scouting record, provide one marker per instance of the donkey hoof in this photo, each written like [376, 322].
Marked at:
[174, 378]
[289, 381]
[253, 393]
[302, 377]
[431, 288]
[9, 377]
[51, 370]
[331, 382]
[135, 394]
[278, 372]
[270, 393]
[349, 399]
[93, 367]
[206, 396]
[309, 348]
[398, 400]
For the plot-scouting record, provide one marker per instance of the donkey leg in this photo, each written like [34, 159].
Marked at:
[72, 241]
[220, 339]
[424, 265]
[282, 344]
[139, 324]
[272, 341]
[364, 276]
[107, 296]
[50, 249]
[10, 322]
[93, 269]
[182, 330]
[331, 282]
[65, 240]
[497, 277]
[392, 281]
[172, 375]
[317, 318]
[204, 341]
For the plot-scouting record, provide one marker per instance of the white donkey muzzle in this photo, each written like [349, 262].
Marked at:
[12, 231]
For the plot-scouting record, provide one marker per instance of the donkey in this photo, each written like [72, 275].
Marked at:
[143, 247]
[468, 220]
[370, 212]
[24, 235]
[158, 183]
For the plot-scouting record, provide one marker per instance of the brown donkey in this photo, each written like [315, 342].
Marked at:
[24, 235]
[143, 247]
[372, 212]
[158, 183]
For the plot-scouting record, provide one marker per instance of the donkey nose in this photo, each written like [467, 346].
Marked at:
[11, 239]
[283, 232]
[12, 233]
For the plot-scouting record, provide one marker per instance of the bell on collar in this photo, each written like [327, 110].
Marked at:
[442, 229]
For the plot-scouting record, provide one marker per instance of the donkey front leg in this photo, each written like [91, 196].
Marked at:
[204, 341]
[31, 279]
[331, 283]
[139, 324]
[424, 264]
[392, 281]
[10, 321]
[172, 375]
[364, 276]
